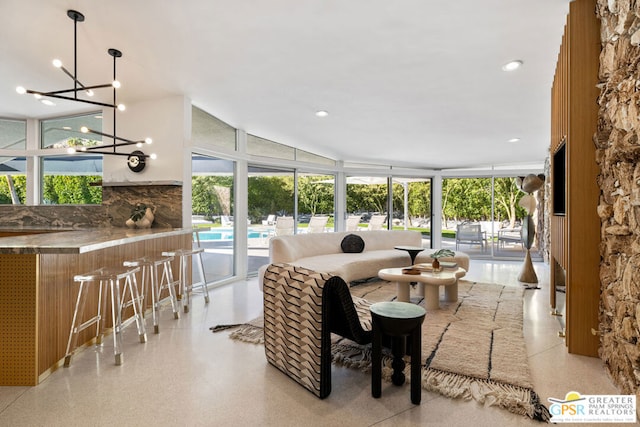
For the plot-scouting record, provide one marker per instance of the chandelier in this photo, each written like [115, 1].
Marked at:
[135, 160]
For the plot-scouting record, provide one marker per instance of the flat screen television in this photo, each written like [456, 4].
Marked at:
[559, 180]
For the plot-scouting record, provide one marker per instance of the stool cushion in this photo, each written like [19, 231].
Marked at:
[352, 244]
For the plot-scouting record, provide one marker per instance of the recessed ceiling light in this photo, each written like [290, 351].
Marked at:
[512, 66]
[514, 140]
[322, 113]
[47, 102]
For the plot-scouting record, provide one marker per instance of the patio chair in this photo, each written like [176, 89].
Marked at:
[352, 222]
[470, 234]
[225, 221]
[284, 226]
[376, 221]
[510, 235]
[317, 224]
[302, 308]
[271, 220]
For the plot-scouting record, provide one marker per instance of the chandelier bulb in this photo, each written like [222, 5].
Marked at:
[116, 84]
[71, 150]
[153, 156]
[121, 107]
[139, 145]
[89, 92]
[21, 90]
[148, 140]
[83, 148]
[37, 96]
[57, 63]
[84, 129]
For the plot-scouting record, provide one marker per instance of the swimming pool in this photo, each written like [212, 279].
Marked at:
[221, 234]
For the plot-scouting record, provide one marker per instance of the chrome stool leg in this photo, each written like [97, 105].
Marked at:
[109, 282]
[184, 256]
[168, 282]
[155, 285]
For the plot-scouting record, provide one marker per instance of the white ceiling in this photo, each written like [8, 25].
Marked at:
[413, 83]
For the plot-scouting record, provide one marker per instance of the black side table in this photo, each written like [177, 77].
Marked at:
[397, 320]
[412, 250]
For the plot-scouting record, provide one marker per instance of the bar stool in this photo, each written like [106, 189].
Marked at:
[109, 283]
[151, 285]
[185, 256]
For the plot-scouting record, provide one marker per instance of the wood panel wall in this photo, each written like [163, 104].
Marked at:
[575, 237]
[58, 292]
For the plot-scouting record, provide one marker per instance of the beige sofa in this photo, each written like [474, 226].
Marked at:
[322, 252]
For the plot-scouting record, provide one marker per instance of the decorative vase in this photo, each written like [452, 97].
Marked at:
[436, 264]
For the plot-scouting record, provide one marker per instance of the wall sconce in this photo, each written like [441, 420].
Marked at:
[135, 160]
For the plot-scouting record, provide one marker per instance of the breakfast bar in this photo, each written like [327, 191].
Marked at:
[37, 293]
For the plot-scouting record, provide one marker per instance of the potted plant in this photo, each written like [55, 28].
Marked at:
[440, 253]
[142, 216]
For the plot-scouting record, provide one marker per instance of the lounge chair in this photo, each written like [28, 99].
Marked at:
[376, 221]
[271, 220]
[226, 221]
[352, 222]
[317, 224]
[284, 226]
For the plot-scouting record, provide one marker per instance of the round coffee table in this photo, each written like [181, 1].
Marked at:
[429, 283]
[397, 320]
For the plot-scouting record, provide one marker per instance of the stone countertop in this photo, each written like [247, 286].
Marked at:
[81, 241]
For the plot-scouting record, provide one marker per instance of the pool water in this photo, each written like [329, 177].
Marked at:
[227, 234]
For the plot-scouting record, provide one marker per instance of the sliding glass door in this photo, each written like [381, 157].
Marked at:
[271, 207]
[412, 206]
[212, 206]
[482, 217]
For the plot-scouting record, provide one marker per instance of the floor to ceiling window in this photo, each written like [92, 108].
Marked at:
[316, 203]
[271, 209]
[482, 217]
[412, 206]
[212, 207]
[367, 203]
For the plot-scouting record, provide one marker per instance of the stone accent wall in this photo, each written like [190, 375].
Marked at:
[117, 204]
[618, 155]
[165, 199]
[544, 204]
[63, 217]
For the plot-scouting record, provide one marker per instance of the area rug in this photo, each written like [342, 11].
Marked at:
[472, 349]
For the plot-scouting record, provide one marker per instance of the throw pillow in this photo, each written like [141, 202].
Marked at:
[352, 243]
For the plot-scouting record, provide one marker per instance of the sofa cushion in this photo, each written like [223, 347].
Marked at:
[352, 244]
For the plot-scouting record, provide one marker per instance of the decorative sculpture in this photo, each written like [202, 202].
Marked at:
[142, 216]
[529, 184]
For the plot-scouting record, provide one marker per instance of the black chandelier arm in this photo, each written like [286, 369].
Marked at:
[86, 101]
[126, 141]
[111, 153]
[83, 87]
[68, 73]
[114, 146]
[56, 92]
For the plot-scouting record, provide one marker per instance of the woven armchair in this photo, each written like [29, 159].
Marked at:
[301, 310]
